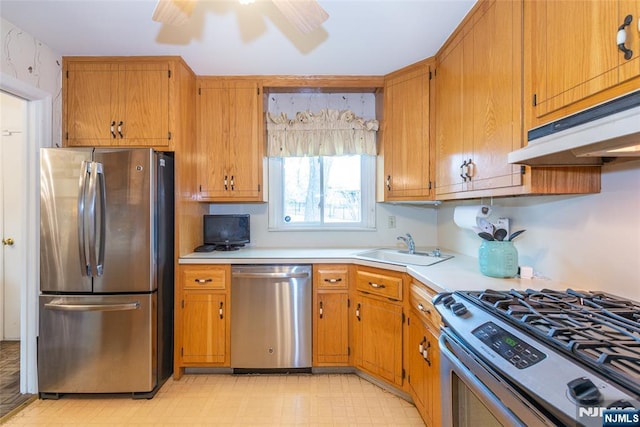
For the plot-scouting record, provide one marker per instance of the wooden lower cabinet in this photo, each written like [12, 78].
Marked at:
[423, 355]
[423, 372]
[377, 325]
[202, 332]
[331, 315]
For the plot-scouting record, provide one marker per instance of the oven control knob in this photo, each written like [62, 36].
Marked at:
[447, 301]
[440, 297]
[459, 309]
[584, 391]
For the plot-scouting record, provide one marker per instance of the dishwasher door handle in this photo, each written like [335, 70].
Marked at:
[263, 275]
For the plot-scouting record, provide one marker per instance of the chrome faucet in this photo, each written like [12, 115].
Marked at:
[409, 242]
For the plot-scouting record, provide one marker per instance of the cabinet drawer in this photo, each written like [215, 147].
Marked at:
[332, 276]
[421, 302]
[379, 284]
[204, 277]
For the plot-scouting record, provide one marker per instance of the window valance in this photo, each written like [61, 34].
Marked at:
[325, 133]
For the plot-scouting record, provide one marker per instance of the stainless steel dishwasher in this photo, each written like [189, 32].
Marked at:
[270, 318]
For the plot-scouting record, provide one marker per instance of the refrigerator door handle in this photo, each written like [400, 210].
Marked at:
[103, 219]
[95, 266]
[92, 307]
[82, 239]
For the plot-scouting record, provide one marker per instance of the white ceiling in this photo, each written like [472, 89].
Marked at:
[223, 37]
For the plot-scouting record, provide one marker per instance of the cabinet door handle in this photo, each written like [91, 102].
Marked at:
[321, 309]
[226, 183]
[120, 124]
[422, 309]
[388, 183]
[621, 38]
[113, 129]
[376, 285]
[462, 171]
[203, 281]
[220, 310]
[232, 183]
[358, 312]
[470, 168]
[333, 280]
[421, 345]
[425, 352]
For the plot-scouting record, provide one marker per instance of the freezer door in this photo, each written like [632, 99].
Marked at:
[129, 263]
[97, 344]
[62, 173]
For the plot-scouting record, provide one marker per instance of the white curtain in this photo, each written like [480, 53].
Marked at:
[326, 133]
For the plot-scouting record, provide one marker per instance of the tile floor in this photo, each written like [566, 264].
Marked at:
[234, 400]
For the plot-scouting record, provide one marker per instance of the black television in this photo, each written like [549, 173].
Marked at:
[226, 232]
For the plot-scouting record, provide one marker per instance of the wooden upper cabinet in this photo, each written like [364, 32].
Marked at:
[630, 68]
[117, 103]
[450, 126]
[406, 147]
[230, 139]
[478, 101]
[574, 61]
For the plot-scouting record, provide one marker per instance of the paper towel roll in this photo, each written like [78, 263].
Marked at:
[467, 216]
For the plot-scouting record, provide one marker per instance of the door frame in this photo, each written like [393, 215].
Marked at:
[38, 134]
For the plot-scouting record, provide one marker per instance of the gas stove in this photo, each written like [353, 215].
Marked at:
[564, 350]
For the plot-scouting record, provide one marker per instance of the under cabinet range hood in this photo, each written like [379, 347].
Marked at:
[611, 129]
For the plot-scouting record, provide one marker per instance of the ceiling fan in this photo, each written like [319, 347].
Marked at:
[305, 15]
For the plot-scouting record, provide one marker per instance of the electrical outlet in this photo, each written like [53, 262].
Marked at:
[502, 223]
[391, 221]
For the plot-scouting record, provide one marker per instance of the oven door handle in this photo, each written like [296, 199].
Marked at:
[498, 410]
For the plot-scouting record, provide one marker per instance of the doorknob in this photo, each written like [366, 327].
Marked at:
[9, 241]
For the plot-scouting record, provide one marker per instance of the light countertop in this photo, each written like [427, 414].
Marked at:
[458, 273]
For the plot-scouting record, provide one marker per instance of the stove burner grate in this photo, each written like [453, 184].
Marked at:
[598, 329]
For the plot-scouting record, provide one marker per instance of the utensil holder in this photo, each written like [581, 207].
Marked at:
[498, 259]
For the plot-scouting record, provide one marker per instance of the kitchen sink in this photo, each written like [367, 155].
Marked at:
[395, 256]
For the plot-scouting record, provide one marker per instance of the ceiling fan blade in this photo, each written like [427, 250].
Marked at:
[305, 15]
[173, 12]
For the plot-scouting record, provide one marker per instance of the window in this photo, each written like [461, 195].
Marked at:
[322, 192]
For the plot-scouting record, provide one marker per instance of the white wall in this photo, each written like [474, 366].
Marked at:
[589, 241]
[28, 60]
[419, 221]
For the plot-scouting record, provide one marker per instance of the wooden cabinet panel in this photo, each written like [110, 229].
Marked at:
[331, 343]
[117, 103]
[378, 328]
[91, 89]
[377, 324]
[332, 276]
[495, 91]
[630, 69]
[423, 370]
[331, 315]
[204, 277]
[229, 136]
[478, 102]
[202, 317]
[573, 50]
[407, 163]
[451, 129]
[144, 103]
[204, 328]
[574, 63]
[379, 283]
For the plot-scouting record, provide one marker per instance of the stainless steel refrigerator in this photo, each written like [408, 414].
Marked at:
[106, 271]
